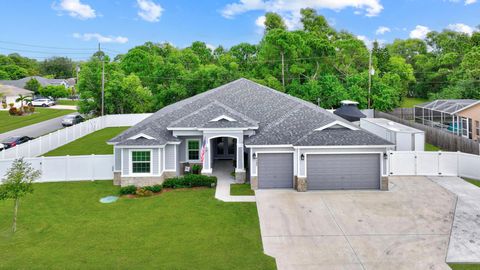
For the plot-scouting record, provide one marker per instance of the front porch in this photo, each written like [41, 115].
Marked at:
[224, 157]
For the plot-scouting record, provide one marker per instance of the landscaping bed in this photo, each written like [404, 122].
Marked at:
[93, 143]
[64, 226]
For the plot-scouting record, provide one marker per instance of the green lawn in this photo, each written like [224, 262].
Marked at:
[241, 190]
[63, 226]
[94, 143]
[9, 122]
[472, 181]
[67, 102]
[411, 102]
[431, 147]
[465, 266]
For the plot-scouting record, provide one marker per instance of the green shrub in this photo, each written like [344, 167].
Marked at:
[154, 189]
[128, 190]
[190, 180]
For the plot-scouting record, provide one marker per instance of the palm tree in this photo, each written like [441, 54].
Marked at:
[21, 99]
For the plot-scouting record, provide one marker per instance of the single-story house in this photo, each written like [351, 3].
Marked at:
[9, 95]
[274, 139]
[20, 83]
[458, 116]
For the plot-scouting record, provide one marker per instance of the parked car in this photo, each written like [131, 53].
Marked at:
[2, 146]
[42, 102]
[72, 119]
[14, 141]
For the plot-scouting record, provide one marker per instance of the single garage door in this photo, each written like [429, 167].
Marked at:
[275, 170]
[330, 172]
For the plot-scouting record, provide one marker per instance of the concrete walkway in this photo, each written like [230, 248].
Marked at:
[222, 170]
[464, 246]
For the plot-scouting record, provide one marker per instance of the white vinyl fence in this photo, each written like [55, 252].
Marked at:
[46, 143]
[434, 164]
[68, 168]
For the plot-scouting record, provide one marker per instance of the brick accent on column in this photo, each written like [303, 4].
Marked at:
[384, 183]
[301, 184]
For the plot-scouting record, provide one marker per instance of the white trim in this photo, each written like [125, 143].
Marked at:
[121, 161]
[163, 159]
[270, 146]
[175, 157]
[140, 135]
[342, 146]
[141, 146]
[223, 117]
[342, 153]
[199, 150]
[335, 123]
[467, 107]
[130, 169]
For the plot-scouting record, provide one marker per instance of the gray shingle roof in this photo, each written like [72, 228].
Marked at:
[43, 81]
[281, 118]
[10, 90]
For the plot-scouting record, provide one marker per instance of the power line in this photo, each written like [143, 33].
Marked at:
[45, 47]
[44, 52]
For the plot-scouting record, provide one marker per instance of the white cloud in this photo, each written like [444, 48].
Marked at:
[369, 43]
[211, 47]
[100, 38]
[420, 32]
[149, 10]
[260, 22]
[76, 9]
[290, 10]
[370, 7]
[462, 28]
[382, 30]
[466, 2]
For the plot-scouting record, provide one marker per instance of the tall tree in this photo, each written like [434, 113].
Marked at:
[274, 21]
[58, 67]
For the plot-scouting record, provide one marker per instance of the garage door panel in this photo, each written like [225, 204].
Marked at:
[359, 171]
[275, 170]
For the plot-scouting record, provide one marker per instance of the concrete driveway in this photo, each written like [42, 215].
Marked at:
[407, 227]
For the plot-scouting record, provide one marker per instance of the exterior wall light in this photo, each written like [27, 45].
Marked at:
[254, 156]
[302, 157]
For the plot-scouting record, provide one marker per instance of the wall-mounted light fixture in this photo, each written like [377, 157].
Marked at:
[385, 155]
[254, 156]
[302, 157]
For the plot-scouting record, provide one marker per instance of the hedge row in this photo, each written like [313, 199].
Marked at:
[187, 181]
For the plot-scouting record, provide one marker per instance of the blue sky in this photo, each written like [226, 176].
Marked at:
[76, 26]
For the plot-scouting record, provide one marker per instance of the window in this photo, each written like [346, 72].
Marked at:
[193, 149]
[477, 124]
[141, 161]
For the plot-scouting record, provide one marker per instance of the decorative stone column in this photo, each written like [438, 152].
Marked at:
[384, 183]
[301, 184]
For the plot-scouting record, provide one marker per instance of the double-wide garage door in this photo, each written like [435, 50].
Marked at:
[331, 172]
[275, 170]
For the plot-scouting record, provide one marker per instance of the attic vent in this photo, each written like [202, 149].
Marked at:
[141, 136]
[223, 118]
[337, 125]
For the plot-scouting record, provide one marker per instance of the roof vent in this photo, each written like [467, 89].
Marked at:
[349, 111]
[223, 118]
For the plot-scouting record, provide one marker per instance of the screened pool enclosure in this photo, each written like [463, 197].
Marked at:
[443, 114]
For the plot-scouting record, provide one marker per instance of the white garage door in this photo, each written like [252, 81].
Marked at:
[344, 171]
[275, 170]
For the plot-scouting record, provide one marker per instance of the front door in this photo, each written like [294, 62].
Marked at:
[465, 128]
[225, 148]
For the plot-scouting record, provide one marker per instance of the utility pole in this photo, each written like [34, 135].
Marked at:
[103, 79]
[370, 71]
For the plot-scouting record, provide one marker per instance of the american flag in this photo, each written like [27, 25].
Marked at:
[204, 148]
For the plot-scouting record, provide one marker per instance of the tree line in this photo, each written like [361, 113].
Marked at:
[14, 67]
[316, 63]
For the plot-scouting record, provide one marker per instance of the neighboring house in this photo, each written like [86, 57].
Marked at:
[275, 141]
[457, 116]
[43, 82]
[9, 94]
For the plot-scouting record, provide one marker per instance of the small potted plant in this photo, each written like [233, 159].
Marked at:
[196, 169]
